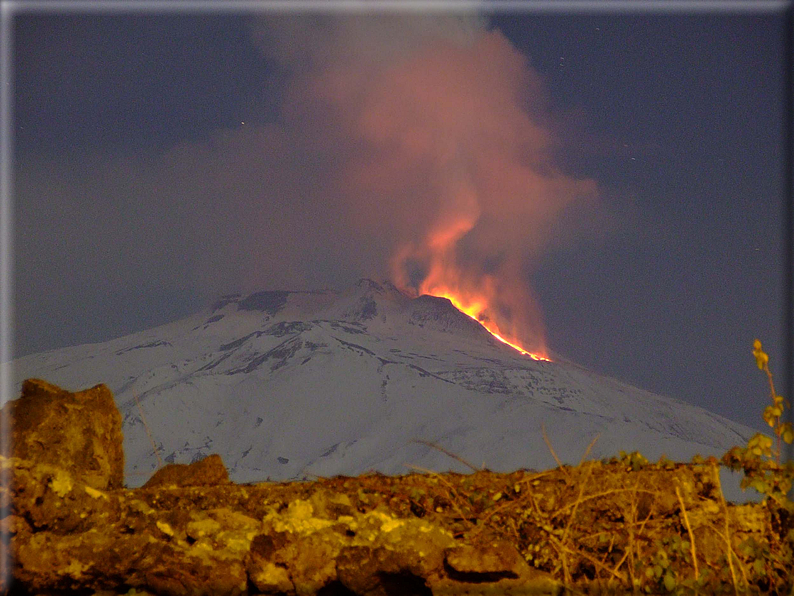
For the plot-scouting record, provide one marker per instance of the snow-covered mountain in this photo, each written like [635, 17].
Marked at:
[289, 385]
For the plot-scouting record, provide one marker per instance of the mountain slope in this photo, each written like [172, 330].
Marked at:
[286, 385]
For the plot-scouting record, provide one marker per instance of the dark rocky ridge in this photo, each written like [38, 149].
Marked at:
[79, 432]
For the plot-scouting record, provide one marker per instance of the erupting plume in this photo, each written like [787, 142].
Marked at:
[434, 134]
[486, 298]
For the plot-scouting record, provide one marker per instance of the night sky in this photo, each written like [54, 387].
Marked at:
[164, 160]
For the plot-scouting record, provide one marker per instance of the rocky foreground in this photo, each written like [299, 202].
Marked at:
[601, 527]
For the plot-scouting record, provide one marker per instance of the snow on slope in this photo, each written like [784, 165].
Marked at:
[287, 385]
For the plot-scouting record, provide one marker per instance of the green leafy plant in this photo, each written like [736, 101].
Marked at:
[759, 461]
[634, 460]
[773, 412]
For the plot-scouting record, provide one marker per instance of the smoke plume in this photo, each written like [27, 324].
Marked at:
[443, 156]
[414, 147]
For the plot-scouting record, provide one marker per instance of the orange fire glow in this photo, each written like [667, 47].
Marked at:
[475, 310]
[495, 299]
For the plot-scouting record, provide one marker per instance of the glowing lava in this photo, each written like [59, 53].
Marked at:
[475, 310]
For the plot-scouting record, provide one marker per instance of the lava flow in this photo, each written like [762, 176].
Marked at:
[475, 311]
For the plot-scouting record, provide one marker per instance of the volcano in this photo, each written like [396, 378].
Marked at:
[290, 385]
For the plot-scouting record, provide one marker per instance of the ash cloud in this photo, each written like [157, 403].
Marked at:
[447, 146]
[412, 147]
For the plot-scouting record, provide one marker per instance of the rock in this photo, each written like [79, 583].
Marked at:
[307, 546]
[78, 432]
[55, 537]
[383, 571]
[494, 561]
[209, 471]
[268, 576]
[68, 538]
[496, 568]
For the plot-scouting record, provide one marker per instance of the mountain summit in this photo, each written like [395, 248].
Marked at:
[290, 384]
